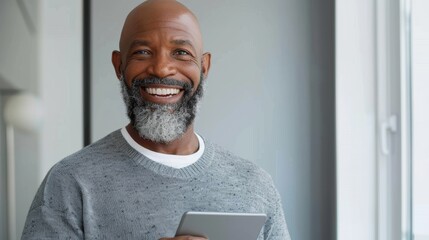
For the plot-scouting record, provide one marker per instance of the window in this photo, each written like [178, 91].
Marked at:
[420, 118]
[382, 117]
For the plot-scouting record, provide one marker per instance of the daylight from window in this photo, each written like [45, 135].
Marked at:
[420, 118]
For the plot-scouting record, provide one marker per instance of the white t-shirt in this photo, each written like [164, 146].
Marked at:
[175, 161]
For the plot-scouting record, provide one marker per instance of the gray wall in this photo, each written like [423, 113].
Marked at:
[41, 48]
[19, 44]
[270, 94]
[26, 164]
[19, 68]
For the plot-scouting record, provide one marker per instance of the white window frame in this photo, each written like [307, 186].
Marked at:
[373, 162]
[356, 119]
[393, 121]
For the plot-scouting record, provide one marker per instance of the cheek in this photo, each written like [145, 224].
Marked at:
[190, 70]
[135, 69]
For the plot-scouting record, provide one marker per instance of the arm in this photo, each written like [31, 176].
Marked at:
[275, 228]
[56, 211]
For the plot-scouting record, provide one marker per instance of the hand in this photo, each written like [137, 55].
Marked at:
[184, 238]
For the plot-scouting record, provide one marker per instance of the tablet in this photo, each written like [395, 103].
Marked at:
[222, 226]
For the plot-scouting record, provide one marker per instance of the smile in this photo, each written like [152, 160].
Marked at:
[163, 92]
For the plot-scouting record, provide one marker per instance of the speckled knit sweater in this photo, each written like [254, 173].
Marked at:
[110, 191]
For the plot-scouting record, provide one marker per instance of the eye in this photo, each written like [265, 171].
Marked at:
[142, 52]
[181, 52]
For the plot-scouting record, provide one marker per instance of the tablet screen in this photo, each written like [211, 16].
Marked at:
[222, 226]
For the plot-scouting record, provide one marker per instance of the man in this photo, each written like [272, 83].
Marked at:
[138, 181]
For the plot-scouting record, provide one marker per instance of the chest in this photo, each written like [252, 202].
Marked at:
[151, 207]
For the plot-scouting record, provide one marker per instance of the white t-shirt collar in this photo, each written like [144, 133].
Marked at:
[175, 161]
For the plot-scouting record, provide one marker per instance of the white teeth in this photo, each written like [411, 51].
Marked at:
[162, 91]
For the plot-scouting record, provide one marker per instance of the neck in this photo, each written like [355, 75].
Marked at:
[185, 145]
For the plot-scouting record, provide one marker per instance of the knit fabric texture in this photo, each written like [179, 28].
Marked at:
[110, 191]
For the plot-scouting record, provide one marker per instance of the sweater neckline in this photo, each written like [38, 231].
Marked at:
[197, 168]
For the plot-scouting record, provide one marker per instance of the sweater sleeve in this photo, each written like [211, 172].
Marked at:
[275, 226]
[56, 211]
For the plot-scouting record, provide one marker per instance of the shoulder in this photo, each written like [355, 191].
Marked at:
[242, 168]
[65, 176]
[97, 154]
[225, 156]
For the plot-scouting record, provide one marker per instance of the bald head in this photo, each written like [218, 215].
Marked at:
[156, 14]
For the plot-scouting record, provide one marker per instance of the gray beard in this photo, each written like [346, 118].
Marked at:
[161, 123]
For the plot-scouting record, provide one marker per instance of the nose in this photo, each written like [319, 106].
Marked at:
[162, 66]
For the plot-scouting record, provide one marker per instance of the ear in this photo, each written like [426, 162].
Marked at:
[205, 64]
[117, 63]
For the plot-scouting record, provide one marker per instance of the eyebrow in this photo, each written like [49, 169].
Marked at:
[183, 42]
[139, 43]
[178, 42]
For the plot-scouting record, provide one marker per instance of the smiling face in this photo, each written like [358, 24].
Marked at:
[161, 38]
[161, 65]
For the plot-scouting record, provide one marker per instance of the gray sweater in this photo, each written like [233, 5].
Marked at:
[110, 191]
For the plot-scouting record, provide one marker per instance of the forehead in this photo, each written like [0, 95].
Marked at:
[183, 27]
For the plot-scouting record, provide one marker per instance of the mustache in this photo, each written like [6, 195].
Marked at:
[145, 82]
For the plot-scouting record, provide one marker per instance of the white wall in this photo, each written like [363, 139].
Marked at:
[270, 94]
